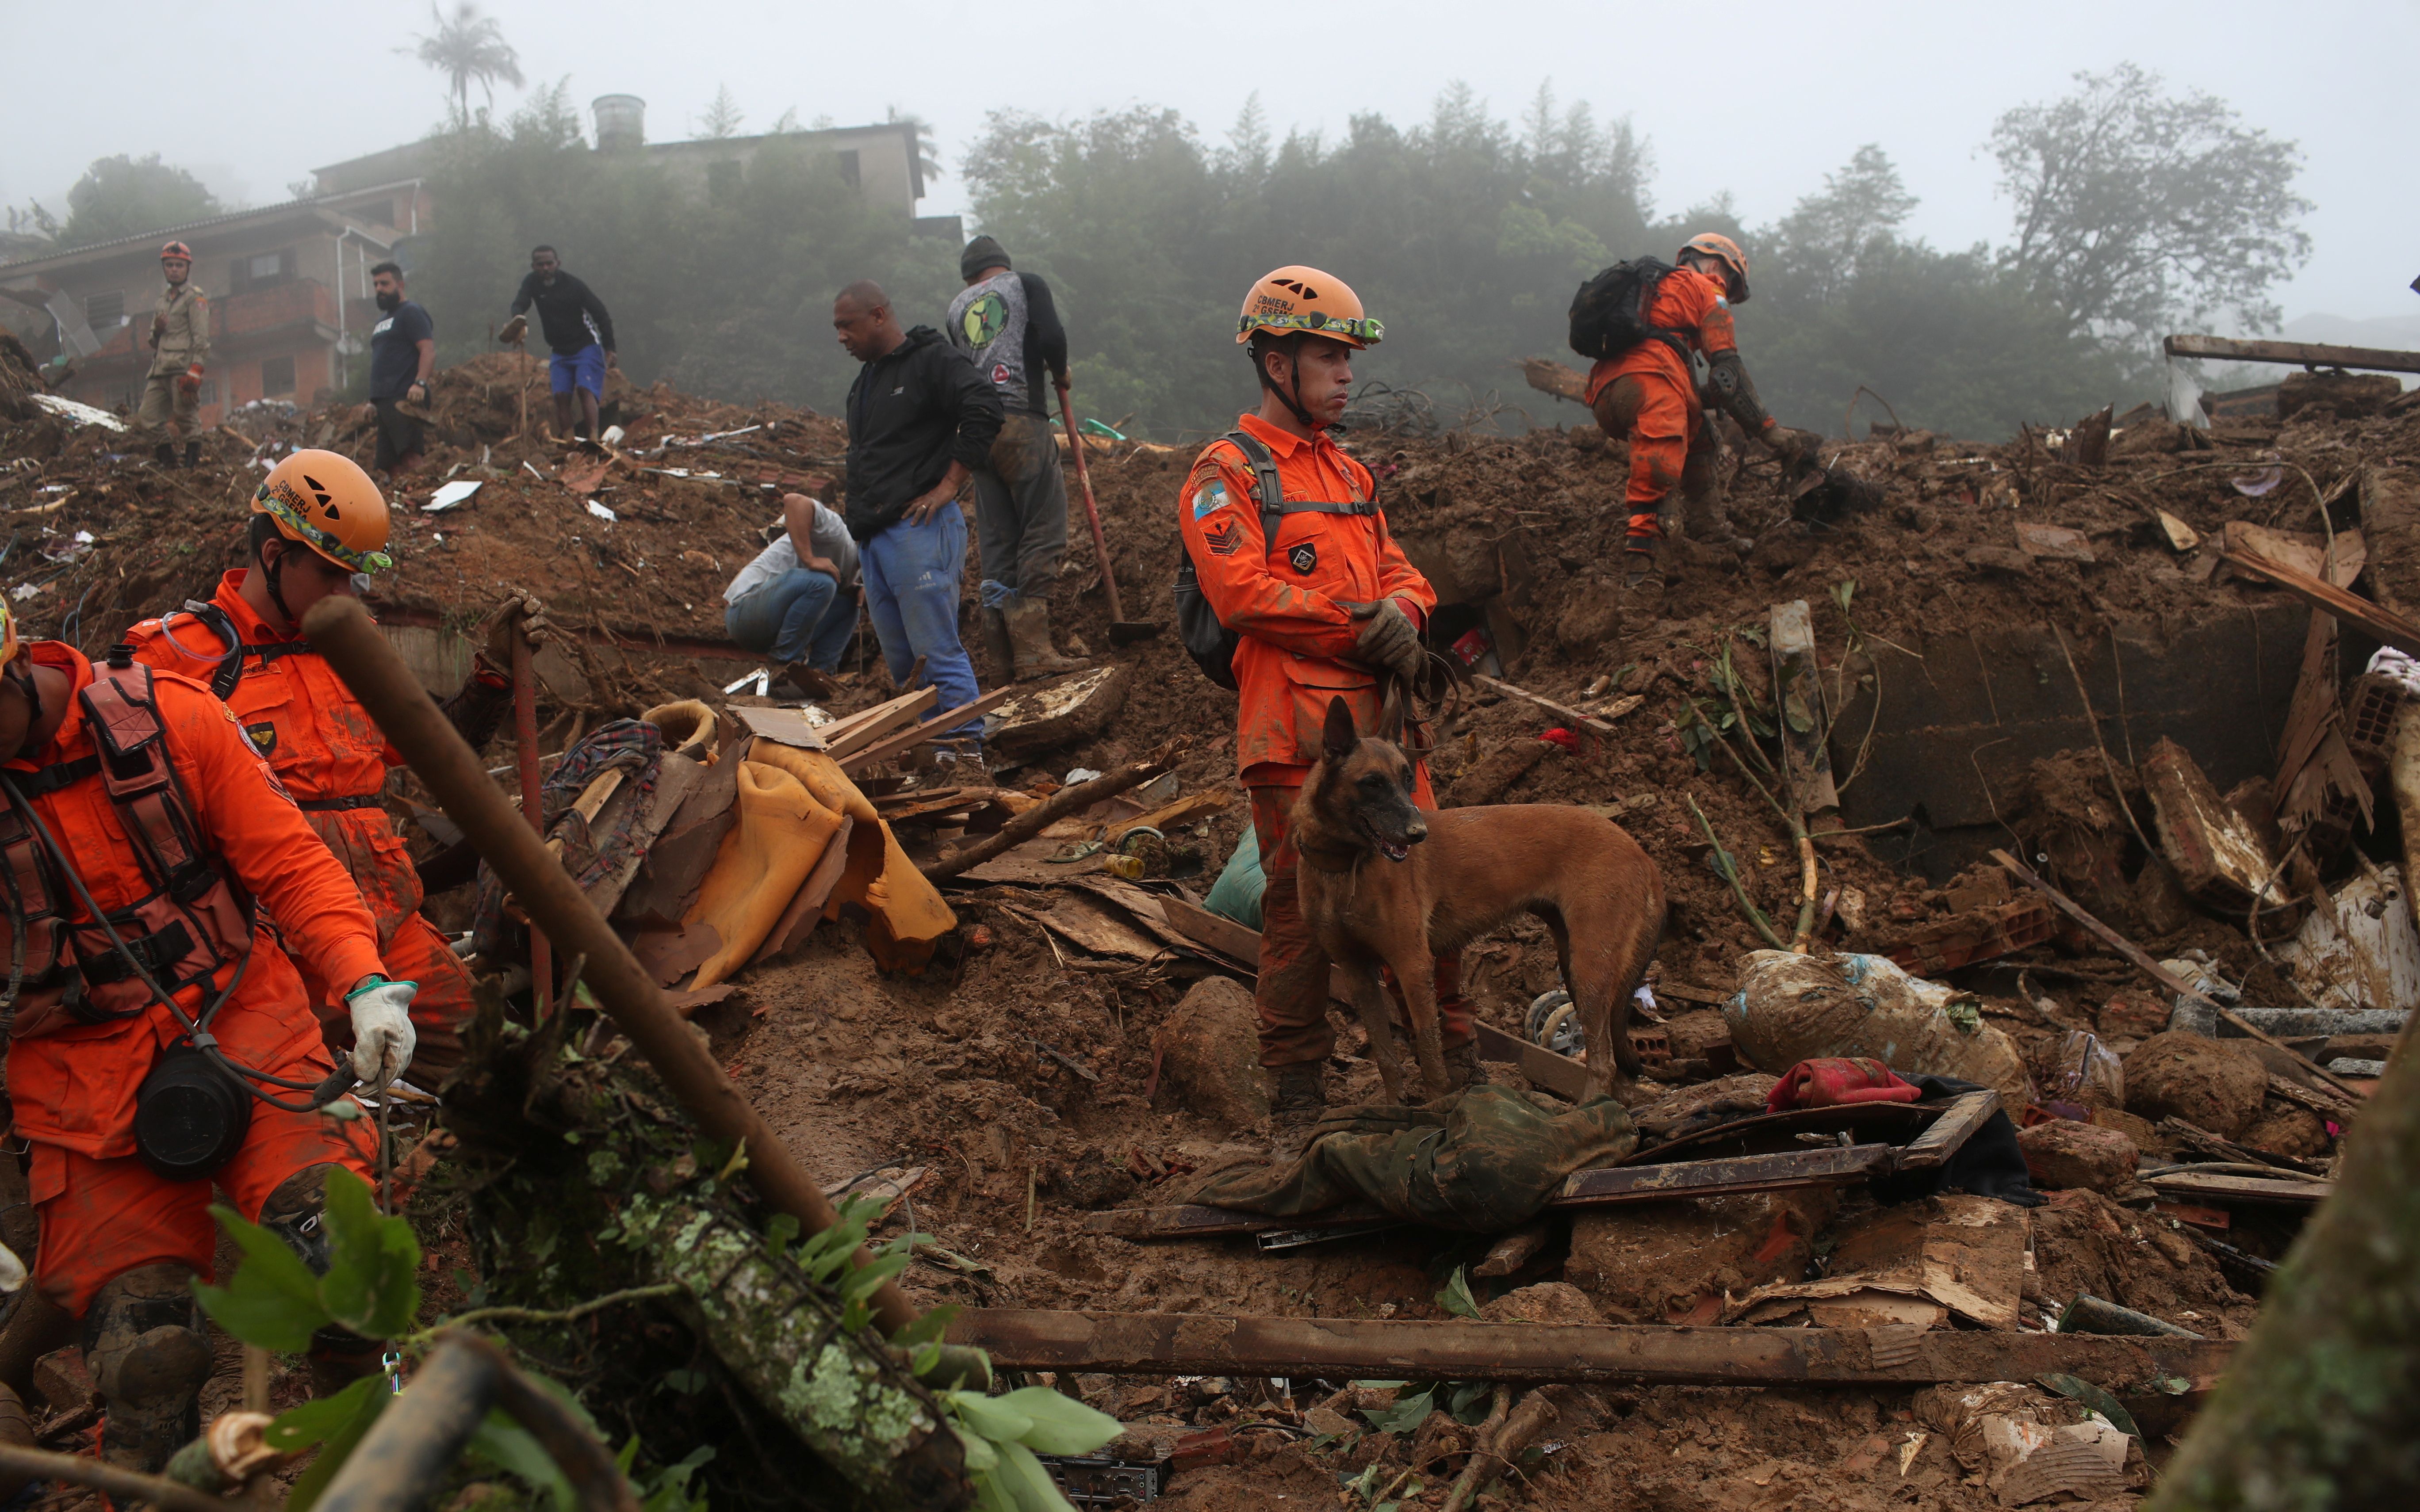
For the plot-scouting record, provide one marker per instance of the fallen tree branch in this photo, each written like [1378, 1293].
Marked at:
[124, 1484]
[1729, 871]
[1058, 806]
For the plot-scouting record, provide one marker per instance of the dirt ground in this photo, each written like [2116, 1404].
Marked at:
[861, 1070]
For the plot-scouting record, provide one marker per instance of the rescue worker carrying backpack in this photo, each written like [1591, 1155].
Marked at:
[317, 519]
[151, 1013]
[1665, 352]
[1294, 591]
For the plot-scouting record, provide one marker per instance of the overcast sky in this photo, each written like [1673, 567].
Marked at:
[1755, 98]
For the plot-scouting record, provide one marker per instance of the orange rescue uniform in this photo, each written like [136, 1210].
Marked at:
[1649, 393]
[1286, 599]
[333, 758]
[103, 1211]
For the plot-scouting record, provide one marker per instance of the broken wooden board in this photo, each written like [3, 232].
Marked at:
[863, 757]
[1546, 1071]
[2337, 561]
[2210, 1186]
[1825, 1165]
[2218, 856]
[1192, 1344]
[1057, 714]
[2379, 622]
[1168, 815]
[1965, 1254]
[852, 733]
[2055, 542]
[1805, 723]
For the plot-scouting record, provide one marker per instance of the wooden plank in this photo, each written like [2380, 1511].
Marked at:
[2157, 972]
[1235, 944]
[2293, 353]
[844, 737]
[1825, 1165]
[2379, 622]
[1949, 1132]
[865, 756]
[1166, 814]
[2210, 1186]
[1340, 1348]
[1559, 1074]
[1574, 715]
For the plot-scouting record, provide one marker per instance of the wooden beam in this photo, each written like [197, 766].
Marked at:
[869, 755]
[2213, 1186]
[1949, 1132]
[2292, 353]
[853, 732]
[2157, 972]
[1824, 1165]
[2378, 622]
[1559, 1074]
[1339, 1348]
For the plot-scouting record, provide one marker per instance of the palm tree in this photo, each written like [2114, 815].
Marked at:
[469, 46]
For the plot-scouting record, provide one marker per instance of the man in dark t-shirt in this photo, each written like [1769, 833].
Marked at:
[403, 355]
[579, 333]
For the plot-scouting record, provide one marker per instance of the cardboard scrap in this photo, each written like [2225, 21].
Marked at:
[1916, 1263]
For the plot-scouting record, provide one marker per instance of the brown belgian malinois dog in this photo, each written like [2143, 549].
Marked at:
[1384, 884]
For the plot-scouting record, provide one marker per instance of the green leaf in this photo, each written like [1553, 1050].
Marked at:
[298, 1428]
[273, 1300]
[1024, 1478]
[981, 1456]
[1061, 1424]
[1471, 1401]
[781, 1232]
[929, 1327]
[862, 1282]
[511, 1447]
[990, 1416]
[1456, 1298]
[373, 1281]
[1408, 1414]
[337, 1447]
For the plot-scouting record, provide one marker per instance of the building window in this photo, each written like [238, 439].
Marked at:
[276, 376]
[261, 270]
[105, 313]
[849, 167]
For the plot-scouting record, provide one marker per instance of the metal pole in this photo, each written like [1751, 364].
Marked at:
[1092, 510]
[340, 631]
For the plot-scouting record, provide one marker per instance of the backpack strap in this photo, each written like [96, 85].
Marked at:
[235, 649]
[1275, 506]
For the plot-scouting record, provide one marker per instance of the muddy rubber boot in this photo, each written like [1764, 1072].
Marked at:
[1462, 1066]
[144, 1342]
[996, 644]
[1029, 636]
[164, 455]
[193, 455]
[1297, 1101]
[1639, 575]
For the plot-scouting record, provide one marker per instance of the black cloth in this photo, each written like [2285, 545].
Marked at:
[981, 253]
[1991, 1163]
[568, 311]
[911, 413]
[1045, 344]
[398, 436]
[394, 349]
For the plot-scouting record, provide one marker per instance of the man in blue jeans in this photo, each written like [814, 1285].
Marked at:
[579, 333]
[797, 602]
[919, 420]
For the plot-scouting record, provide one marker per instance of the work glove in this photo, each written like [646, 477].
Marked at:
[1387, 639]
[513, 330]
[382, 1034]
[1793, 446]
[191, 379]
[518, 611]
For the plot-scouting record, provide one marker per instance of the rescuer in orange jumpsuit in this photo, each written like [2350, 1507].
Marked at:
[323, 521]
[1655, 394]
[1321, 608]
[136, 795]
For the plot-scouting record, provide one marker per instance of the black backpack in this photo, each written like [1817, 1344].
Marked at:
[1608, 314]
[1210, 644]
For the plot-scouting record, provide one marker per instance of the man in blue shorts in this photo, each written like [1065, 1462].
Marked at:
[578, 331]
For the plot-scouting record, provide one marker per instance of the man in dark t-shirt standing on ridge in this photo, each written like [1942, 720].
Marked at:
[403, 357]
[578, 331]
[1008, 324]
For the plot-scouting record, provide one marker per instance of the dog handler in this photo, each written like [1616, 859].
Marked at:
[1320, 610]
[136, 795]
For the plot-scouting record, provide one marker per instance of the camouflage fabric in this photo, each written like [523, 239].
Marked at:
[1485, 1160]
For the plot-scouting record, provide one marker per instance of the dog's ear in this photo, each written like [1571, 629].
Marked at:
[1390, 714]
[1339, 736]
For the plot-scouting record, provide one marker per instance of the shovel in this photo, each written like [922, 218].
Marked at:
[1123, 631]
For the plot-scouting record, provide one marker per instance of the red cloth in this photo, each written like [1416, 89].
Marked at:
[1828, 1083]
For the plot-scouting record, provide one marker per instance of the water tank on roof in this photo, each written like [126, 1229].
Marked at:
[621, 121]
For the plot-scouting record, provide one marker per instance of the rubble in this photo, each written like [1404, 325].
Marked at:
[2205, 1082]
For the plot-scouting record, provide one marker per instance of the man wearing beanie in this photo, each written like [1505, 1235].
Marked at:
[1006, 322]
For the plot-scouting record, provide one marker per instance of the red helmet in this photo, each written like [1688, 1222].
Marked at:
[1727, 252]
[176, 249]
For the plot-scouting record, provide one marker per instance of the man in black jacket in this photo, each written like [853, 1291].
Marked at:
[578, 331]
[920, 418]
[1008, 324]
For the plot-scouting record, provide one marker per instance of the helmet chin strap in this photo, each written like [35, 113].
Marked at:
[274, 574]
[1291, 401]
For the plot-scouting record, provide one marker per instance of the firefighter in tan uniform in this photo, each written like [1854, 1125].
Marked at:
[181, 343]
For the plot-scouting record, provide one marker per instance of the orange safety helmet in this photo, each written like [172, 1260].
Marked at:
[176, 249]
[1296, 298]
[1727, 252]
[327, 502]
[8, 641]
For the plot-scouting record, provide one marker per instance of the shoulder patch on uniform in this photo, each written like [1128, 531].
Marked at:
[1211, 496]
[1303, 557]
[1225, 539]
[262, 735]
